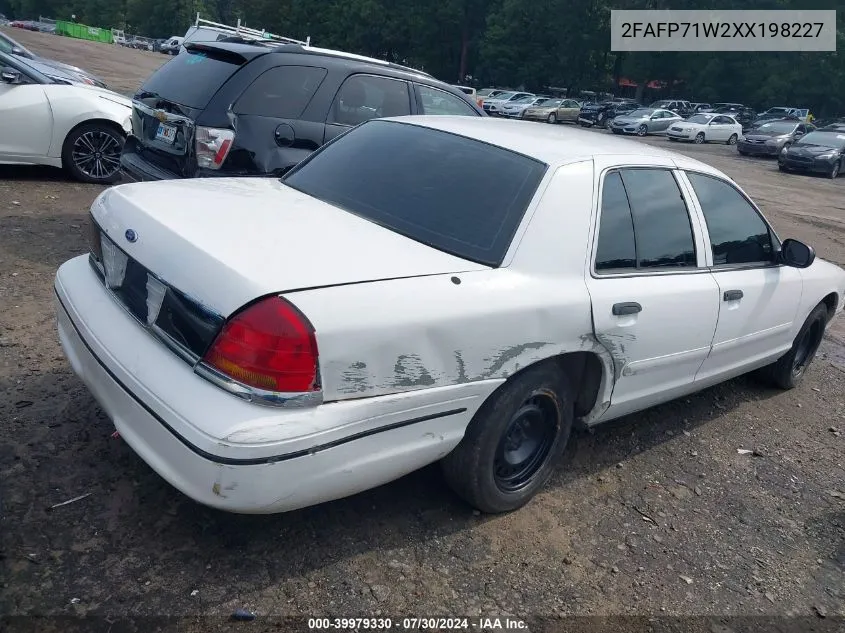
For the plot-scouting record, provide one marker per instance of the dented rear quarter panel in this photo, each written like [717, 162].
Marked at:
[406, 334]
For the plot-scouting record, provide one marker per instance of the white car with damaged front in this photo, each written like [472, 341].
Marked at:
[48, 120]
[424, 289]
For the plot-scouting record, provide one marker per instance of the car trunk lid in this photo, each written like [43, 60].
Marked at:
[225, 242]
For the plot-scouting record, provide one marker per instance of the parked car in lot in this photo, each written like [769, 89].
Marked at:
[546, 111]
[45, 121]
[770, 137]
[700, 107]
[568, 111]
[515, 108]
[598, 114]
[469, 92]
[644, 121]
[778, 112]
[678, 106]
[253, 383]
[496, 105]
[10, 46]
[744, 115]
[171, 46]
[820, 151]
[706, 127]
[223, 109]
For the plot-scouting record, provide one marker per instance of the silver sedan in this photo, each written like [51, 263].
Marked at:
[644, 121]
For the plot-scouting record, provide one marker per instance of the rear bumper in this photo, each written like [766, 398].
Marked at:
[287, 459]
[134, 168]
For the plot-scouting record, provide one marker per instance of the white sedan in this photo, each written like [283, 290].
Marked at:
[466, 294]
[47, 120]
[706, 127]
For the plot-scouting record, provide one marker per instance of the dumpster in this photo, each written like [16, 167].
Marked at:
[84, 32]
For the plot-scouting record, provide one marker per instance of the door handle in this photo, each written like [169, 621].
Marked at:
[732, 295]
[628, 307]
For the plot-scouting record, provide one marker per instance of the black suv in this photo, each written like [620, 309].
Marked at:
[599, 114]
[244, 109]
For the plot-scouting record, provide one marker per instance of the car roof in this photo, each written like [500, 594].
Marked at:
[556, 146]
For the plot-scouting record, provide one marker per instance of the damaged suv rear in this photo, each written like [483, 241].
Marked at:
[238, 109]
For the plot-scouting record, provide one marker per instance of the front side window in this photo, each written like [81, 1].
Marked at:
[738, 235]
[453, 193]
[440, 102]
[365, 97]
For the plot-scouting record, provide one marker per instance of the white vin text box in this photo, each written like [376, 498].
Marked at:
[713, 31]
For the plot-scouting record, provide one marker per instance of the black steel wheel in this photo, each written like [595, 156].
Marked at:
[513, 442]
[91, 153]
[787, 371]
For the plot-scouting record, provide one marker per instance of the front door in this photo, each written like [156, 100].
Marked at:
[758, 298]
[655, 304]
[26, 121]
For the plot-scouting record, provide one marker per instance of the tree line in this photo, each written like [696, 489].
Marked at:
[529, 44]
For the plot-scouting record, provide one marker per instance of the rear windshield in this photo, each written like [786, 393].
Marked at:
[456, 194]
[192, 77]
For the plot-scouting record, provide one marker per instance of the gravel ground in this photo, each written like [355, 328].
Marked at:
[654, 514]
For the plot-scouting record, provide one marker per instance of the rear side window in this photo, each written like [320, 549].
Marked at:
[436, 101]
[193, 77]
[365, 97]
[282, 92]
[644, 222]
[456, 194]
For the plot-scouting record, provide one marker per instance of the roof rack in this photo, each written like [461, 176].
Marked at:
[243, 32]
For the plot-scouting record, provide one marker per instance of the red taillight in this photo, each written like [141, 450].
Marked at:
[270, 345]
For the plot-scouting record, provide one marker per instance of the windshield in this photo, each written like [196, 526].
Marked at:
[659, 104]
[455, 194]
[824, 139]
[777, 127]
[700, 118]
[642, 112]
[526, 100]
[778, 110]
[552, 103]
[504, 95]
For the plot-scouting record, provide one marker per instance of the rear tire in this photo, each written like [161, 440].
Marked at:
[732, 140]
[513, 442]
[787, 371]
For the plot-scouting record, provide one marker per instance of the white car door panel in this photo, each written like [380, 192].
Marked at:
[26, 121]
[759, 300]
[655, 304]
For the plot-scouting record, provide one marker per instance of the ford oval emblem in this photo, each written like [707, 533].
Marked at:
[131, 236]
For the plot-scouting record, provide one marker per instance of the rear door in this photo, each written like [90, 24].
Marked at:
[655, 303]
[758, 298]
[268, 118]
[362, 97]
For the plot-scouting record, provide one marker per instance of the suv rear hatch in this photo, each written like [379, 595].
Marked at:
[166, 108]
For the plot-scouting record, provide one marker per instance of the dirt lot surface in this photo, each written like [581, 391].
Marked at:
[654, 514]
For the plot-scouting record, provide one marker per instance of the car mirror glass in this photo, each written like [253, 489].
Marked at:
[797, 254]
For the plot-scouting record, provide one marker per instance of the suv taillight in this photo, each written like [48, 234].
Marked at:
[269, 345]
[212, 146]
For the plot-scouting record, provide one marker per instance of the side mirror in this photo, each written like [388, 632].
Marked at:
[10, 76]
[17, 50]
[796, 254]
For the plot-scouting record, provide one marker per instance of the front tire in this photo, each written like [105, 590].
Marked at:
[699, 138]
[91, 153]
[601, 120]
[732, 140]
[513, 442]
[642, 130]
[834, 171]
[552, 118]
[789, 369]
